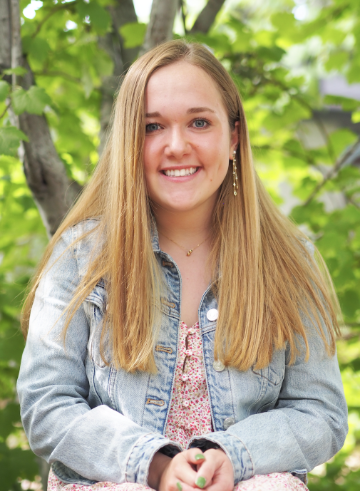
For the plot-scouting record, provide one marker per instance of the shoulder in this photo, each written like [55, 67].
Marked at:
[81, 235]
[79, 243]
[306, 247]
[309, 246]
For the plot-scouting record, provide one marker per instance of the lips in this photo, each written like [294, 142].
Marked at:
[180, 172]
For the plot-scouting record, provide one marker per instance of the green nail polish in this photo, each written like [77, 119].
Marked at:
[178, 485]
[199, 456]
[200, 482]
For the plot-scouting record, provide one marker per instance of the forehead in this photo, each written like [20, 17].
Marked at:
[182, 80]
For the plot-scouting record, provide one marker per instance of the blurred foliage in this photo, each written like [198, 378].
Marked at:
[277, 51]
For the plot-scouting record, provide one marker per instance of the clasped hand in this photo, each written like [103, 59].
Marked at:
[191, 469]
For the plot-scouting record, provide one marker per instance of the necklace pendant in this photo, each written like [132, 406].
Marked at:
[189, 252]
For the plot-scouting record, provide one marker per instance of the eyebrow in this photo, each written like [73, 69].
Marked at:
[192, 110]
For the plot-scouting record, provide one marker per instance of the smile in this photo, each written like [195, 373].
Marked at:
[180, 172]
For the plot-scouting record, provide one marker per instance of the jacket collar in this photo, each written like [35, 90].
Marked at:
[154, 234]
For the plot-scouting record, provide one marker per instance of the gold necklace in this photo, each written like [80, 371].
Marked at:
[188, 252]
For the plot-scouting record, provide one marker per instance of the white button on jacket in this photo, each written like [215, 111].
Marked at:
[218, 366]
[212, 314]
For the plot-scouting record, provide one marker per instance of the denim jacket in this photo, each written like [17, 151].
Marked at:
[96, 423]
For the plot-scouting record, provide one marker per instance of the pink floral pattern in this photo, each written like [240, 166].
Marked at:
[189, 412]
[278, 481]
[190, 415]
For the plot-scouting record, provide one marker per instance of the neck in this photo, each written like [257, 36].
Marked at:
[191, 226]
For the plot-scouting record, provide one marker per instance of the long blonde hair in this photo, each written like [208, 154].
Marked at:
[264, 278]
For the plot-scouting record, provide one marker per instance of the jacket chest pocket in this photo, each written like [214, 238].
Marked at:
[256, 391]
[270, 381]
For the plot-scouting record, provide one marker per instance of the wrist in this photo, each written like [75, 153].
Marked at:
[156, 469]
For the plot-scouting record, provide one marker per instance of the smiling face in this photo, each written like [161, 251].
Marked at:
[188, 140]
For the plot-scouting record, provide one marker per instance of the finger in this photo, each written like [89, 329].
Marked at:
[207, 470]
[220, 468]
[183, 471]
[194, 456]
[181, 486]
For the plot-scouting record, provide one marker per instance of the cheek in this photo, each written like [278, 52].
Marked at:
[149, 157]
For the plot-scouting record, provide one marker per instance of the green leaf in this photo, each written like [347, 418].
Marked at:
[32, 101]
[16, 463]
[19, 70]
[99, 17]
[349, 302]
[283, 20]
[270, 54]
[353, 74]
[10, 138]
[8, 416]
[4, 90]
[336, 60]
[341, 139]
[37, 47]
[346, 103]
[355, 117]
[133, 34]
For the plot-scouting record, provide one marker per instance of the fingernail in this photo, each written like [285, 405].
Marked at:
[200, 482]
[199, 456]
[178, 485]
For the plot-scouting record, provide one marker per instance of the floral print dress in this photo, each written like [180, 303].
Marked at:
[190, 415]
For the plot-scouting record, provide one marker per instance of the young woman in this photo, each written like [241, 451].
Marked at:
[181, 335]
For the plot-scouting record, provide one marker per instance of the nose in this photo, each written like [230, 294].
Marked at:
[177, 144]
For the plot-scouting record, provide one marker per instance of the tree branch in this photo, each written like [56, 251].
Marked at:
[183, 15]
[351, 335]
[5, 110]
[306, 105]
[161, 23]
[350, 200]
[334, 170]
[207, 16]
[58, 73]
[123, 12]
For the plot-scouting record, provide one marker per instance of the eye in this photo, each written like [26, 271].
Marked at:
[152, 127]
[200, 123]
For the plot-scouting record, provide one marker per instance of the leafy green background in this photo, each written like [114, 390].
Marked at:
[276, 58]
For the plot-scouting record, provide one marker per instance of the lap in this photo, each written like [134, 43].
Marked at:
[278, 481]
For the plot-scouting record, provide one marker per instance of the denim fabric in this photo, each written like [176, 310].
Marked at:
[96, 423]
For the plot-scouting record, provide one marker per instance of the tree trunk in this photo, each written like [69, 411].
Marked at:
[5, 34]
[53, 192]
[207, 16]
[161, 23]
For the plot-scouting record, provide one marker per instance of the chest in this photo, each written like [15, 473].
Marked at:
[233, 395]
[195, 279]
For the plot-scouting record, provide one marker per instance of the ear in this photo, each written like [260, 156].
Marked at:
[234, 140]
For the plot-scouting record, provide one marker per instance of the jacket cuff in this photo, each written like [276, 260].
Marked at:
[233, 447]
[141, 455]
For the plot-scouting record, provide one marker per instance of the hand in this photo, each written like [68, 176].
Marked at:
[176, 474]
[216, 472]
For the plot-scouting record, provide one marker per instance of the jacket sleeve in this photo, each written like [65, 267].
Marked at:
[306, 428]
[100, 444]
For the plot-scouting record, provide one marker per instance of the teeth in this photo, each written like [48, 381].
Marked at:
[180, 172]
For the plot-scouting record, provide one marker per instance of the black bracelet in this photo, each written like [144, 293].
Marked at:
[169, 450]
[204, 444]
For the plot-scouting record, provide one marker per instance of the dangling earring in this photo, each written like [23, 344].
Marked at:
[235, 177]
